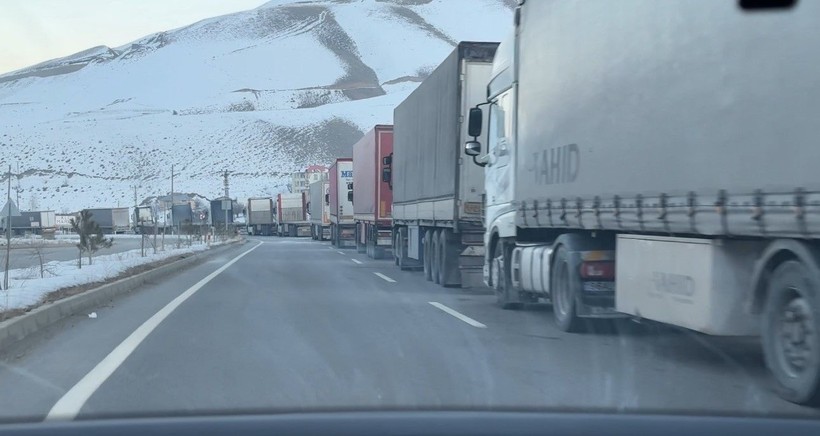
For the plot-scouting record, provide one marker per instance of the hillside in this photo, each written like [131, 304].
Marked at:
[261, 93]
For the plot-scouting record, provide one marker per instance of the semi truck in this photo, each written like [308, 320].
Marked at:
[222, 213]
[291, 215]
[319, 208]
[112, 220]
[260, 216]
[438, 195]
[372, 196]
[340, 199]
[671, 179]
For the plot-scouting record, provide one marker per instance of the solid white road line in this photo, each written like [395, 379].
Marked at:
[385, 278]
[359, 262]
[72, 401]
[464, 318]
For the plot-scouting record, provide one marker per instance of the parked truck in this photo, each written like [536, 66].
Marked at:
[372, 195]
[222, 214]
[340, 198]
[319, 208]
[669, 179]
[291, 215]
[437, 195]
[112, 220]
[260, 216]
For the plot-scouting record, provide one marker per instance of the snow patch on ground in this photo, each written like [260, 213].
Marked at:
[27, 288]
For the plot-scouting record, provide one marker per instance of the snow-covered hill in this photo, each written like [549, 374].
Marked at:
[261, 93]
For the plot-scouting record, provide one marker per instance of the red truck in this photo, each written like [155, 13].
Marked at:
[373, 195]
[342, 226]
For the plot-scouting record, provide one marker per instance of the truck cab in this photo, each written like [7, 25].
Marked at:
[498, 161]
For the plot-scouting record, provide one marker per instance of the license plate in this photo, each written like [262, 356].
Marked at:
[596, 287]
[595, 310]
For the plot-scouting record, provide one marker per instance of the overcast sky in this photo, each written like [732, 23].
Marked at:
[33, 31]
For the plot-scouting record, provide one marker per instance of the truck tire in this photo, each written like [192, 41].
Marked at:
[791, 345]
[448, 260]
[435, 262]
[403, 260]
[360, 248]
[563, 293]
[502, 282]
[428, 255]
[396, 246]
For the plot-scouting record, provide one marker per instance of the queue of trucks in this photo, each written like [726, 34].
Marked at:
[620, 177]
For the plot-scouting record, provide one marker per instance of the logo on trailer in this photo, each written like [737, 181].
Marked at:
[347, 174]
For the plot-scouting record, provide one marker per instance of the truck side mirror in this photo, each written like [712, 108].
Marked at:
[350, 196]
[387, 174]
[474, 122]
[349, 185]
[327, 198]
[387, 160]
[472, 148]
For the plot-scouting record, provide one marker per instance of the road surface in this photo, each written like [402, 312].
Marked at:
[25, 257]
[298, 325]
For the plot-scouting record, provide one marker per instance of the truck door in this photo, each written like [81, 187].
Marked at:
[499, 147]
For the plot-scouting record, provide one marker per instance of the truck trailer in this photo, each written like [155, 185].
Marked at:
[105, 218]
[319, 208]
[372, 195]
[340, 198]
[671, 179]
[260, 216]
[437, 195]
[291, 215]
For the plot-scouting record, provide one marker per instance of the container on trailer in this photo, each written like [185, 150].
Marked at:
[319, 209]
[438, 196]
[260, 215]
[372, 194]
[342, 225]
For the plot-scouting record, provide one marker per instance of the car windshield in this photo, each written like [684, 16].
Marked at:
[260, 206]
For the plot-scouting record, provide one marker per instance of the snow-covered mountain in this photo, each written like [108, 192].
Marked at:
[260, 93]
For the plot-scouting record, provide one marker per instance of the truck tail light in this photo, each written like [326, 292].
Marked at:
[598, 270]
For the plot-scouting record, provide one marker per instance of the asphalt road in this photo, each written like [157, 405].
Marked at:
[298, 325]
[25, 257]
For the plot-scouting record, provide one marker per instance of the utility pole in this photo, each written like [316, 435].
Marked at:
[172, 197]
[16, 188]
[227, 185]
[8, 236]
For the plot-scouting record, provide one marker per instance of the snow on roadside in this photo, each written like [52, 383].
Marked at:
[15, 242]
[27, 288]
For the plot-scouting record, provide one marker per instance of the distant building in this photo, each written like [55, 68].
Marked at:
[300, 181]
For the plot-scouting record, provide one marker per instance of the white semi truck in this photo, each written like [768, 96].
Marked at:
[659, 160]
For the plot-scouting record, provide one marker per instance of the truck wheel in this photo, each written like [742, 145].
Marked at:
[396, 247]
[428, 255]
[791, 345]
[448, 260]
[500, 274]
[435, 261]
[563, 294]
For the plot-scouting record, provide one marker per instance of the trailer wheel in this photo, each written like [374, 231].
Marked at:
[396, 247]
[435, 262]
[791, 325]
[428, 255]
[500, 272]
[448, 260]
[563, 293]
